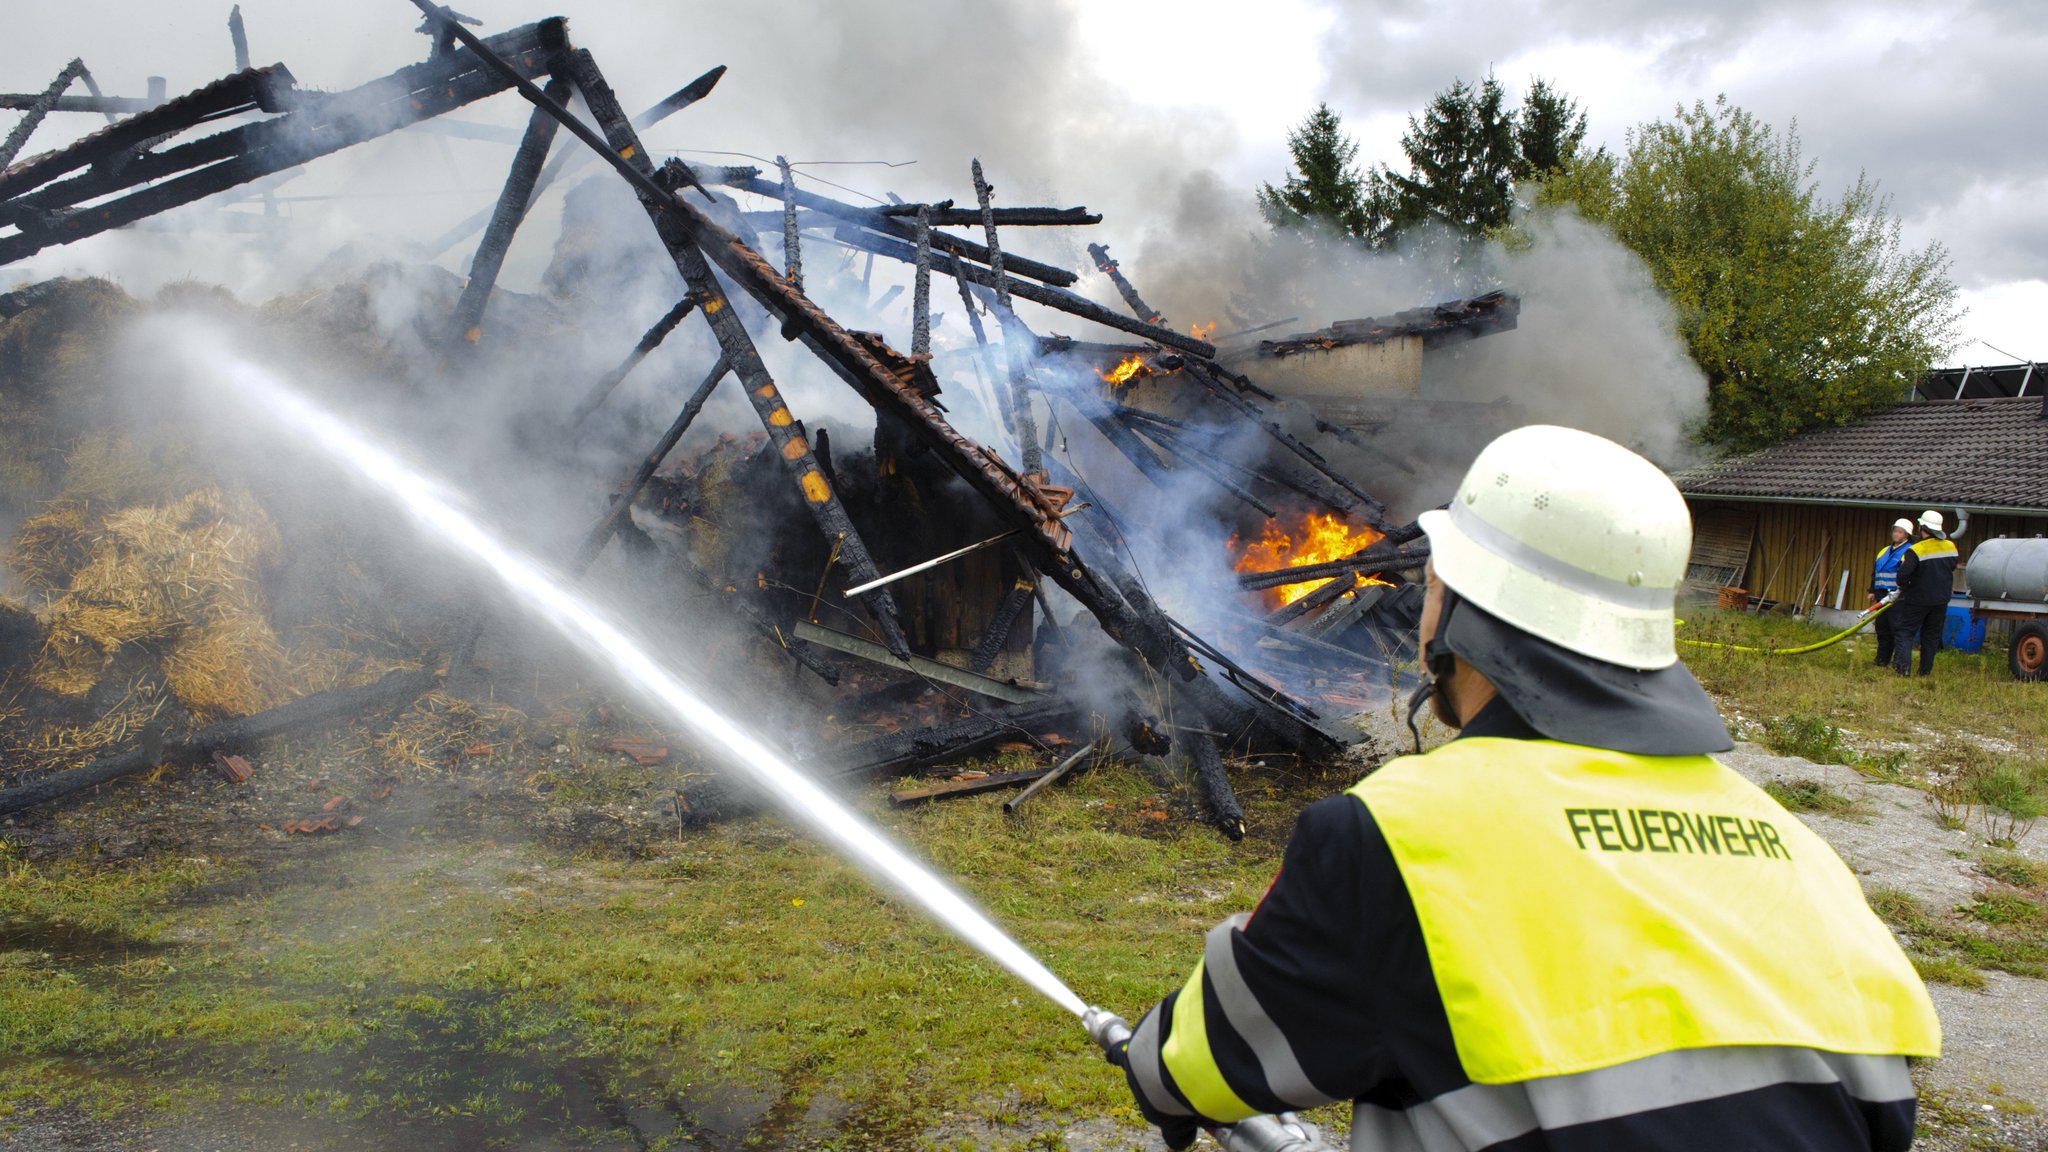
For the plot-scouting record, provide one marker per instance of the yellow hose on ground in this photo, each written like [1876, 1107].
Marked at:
[1837, 638]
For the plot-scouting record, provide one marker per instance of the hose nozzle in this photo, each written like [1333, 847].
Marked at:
[1109, 1031]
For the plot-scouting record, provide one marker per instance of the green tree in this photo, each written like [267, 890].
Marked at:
[1548, 131]
[1326, 185]
[1466, 154]
[1802, 311]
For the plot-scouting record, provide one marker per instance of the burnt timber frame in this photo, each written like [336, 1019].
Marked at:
[506, 217]
[50, 211]
[737, 348]
[888, 381]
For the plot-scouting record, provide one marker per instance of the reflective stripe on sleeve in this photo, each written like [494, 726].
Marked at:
[1142, 1054]
[1284, 1075]
[1187, 1058]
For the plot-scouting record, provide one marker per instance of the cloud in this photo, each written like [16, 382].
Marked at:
[1937, 104]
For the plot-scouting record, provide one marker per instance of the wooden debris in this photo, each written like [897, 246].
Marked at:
[966, 786]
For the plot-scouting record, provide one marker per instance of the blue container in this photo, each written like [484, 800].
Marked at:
[1962, 631]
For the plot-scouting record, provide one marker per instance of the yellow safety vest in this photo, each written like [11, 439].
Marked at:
[1583, 908]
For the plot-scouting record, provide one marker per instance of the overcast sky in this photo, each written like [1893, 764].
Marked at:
[1133, 107]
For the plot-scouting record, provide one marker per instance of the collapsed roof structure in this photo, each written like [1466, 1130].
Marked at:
[1165, 402]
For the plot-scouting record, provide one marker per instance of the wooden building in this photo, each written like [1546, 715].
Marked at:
[1801, 522]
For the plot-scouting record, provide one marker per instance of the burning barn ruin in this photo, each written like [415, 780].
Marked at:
[1173, 538]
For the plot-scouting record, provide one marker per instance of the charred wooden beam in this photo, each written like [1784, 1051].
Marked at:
[1331, 588]
[622, 507]
[1000, 624]
[1055, 298]
[1224, 810]
[1221, 389]
[1059, 770]
[313, 127]
[506, 217]
[1346, 612]
[1183, 439]
[1013, 340]
[738, 349]
[966, 786]
[932, 670]
[875, 221]
[987, 363]
[21, 101]
[648, 343]
[944, 215]
[1108, 267]
[238, 35]
[269, 89]
[32, 115]
[230, 735]
[1200, 463]
[792, 247]
[155, 97]
[921, 296]
[569, 161]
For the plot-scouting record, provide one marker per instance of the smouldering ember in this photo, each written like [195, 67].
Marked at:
[1128, 370]
[1317, 538]
[1202, 331]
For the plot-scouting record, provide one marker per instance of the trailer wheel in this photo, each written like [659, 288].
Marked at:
[2029, 654]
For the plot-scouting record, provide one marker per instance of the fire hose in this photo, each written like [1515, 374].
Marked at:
[1867, 616]
[1283, 1133]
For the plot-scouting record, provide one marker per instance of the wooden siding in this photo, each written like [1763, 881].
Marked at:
[1790, 538]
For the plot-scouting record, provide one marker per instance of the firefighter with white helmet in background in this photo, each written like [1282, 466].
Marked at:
[1927, 578]
[1570, 927]
[1884, 580]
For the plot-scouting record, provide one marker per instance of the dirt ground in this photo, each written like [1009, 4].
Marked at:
[467, 848]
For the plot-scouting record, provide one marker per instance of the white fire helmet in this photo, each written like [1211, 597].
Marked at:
[1572, 538]
[1931, 520]
[1903, 525]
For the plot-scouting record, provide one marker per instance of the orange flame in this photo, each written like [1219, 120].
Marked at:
[1131, 368]
[1317, 538]
[1201, 331]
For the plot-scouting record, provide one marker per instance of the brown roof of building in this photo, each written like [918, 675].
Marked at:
[1961, 453]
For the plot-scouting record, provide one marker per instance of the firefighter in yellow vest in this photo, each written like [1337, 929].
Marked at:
[1569, 928]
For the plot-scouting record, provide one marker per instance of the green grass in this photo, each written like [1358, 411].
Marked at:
[441, 980]
[1814, 796]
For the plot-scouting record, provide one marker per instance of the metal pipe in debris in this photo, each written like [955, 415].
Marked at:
[955, 554]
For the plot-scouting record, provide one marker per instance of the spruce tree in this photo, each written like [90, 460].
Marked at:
[1326, 185]
[1548, 131]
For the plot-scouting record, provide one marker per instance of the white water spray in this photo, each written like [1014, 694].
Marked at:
[422, 499]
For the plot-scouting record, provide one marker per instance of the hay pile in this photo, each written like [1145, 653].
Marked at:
[175, 583]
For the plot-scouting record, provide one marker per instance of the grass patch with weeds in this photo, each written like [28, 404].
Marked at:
[2016, 870]
[1967, 693]
[1998, 930]
[1814, 796]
